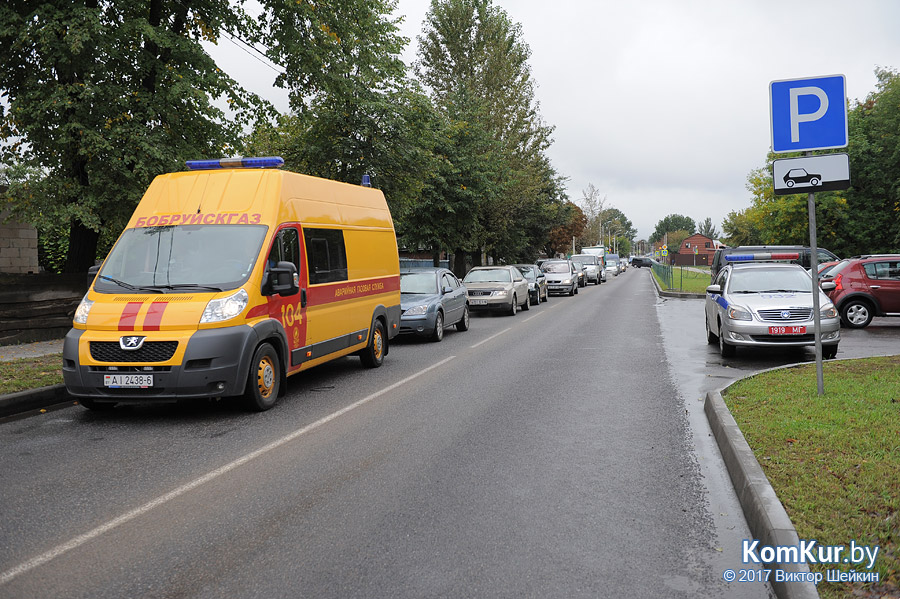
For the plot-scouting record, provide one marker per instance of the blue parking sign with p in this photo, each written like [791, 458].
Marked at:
[808, 114]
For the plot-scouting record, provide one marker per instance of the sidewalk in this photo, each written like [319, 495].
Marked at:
[30, 350]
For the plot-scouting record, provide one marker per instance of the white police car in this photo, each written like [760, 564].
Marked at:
[755, 302]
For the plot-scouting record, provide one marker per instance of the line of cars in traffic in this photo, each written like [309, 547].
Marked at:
[763, 296]
[433, 298]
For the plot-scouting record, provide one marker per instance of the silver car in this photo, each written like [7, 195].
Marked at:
[592, 267]
[562, 276]
[766, 304]
[497, 288]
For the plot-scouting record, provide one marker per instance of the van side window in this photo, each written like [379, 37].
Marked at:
[325, 255]
[286, 247]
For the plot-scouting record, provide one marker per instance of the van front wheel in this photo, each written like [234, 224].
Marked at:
[264, 379]
[373, 355]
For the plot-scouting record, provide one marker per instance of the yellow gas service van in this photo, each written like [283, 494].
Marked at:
[230, 277]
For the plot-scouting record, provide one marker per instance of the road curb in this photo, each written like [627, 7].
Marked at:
[766, 517]
[32, 399]
[675, 294]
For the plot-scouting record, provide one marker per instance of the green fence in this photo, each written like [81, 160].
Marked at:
[689, 279]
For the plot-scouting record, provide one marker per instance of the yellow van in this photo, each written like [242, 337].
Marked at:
[230, 277]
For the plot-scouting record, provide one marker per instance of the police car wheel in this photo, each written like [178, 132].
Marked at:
[710, 336]
[725, 349]
[373, 355]
[263, 380]
[829, 352]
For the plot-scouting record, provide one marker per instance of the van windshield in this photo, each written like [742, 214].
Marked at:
[181, 258]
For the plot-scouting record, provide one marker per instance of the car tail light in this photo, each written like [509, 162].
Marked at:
[837, 282]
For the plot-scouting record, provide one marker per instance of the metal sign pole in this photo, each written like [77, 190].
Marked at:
[814, 263]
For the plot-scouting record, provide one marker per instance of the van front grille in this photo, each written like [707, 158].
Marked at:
[151, 351]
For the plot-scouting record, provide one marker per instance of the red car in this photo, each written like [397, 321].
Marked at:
[865, 287]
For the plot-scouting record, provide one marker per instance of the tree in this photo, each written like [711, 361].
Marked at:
[592, 206]
[102, 96]
[672, 222]
[873, 201]
[474, 62]
[708, 229]
[739, 229]
[573, 223]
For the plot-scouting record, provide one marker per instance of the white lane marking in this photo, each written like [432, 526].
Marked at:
[489, 338]
[533, 316]
[128, 516]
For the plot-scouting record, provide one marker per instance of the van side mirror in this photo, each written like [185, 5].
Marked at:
[283, 279]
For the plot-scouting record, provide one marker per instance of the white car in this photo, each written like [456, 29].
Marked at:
[767, 304]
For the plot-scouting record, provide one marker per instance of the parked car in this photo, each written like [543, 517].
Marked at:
[591, 265]
[641, 262]
[611, 262]
[497, 288]
[582, 276]
[432, 299]
[866, 287]
[825, 268]
[537, 282]
[767, 304]
[804, 260]
[561, 276]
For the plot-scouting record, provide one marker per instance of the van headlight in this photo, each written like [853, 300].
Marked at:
[84, 308]
[225, 308]
[828, 312]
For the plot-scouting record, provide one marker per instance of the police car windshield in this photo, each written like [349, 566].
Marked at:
[770, 280]
[181, 258]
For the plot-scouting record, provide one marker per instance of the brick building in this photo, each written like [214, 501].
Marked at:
[696, 250]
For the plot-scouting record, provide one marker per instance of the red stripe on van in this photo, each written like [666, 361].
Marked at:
[129, 316]
[154, 316]
[344, 290]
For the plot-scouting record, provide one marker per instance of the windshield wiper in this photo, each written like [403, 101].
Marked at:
[787, 291]
[186, 286]
[128, 286]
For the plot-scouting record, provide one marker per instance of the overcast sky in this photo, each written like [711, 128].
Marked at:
[664, 104]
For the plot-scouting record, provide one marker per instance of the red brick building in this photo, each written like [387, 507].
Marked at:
[695, 250]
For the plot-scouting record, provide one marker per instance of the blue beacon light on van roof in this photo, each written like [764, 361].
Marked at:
[256, 162]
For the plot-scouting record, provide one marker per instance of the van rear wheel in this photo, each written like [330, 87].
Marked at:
[263, 380]
[373, 355]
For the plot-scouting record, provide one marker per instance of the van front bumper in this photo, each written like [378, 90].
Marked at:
[215, 364]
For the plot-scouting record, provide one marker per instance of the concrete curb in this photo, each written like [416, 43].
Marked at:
[766, 517]
[675, 294]
[33, 399]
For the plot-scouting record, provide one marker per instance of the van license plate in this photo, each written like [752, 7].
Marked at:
[787, 330]
[128, 381]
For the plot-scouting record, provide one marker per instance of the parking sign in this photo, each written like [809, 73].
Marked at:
[808, 114]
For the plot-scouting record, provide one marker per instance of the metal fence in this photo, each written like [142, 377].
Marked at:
[681, 278]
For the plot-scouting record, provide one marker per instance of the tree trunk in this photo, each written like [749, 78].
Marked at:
[435, 257]
[82, 248]
[459, 263]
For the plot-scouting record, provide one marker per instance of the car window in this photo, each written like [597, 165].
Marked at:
[555, 267]
[528, 272]
[418, 282]
[722, 279]
[517, 276]
[883, 270]
[757, 280]
[449, 280]
[489, 275]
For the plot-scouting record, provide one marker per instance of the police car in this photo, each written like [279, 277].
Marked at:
[756, 301]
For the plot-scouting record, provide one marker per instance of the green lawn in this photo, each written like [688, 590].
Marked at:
[684, 279]
[833, 460]
[30, 373]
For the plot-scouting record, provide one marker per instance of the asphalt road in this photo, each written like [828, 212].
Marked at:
[556, 453]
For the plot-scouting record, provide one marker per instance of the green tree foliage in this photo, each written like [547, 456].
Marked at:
[739, 229]
[672, 222]
[873, 202]
[102, 96]
[592, 204]
[708, 228]
[474, 62]
[618, 231]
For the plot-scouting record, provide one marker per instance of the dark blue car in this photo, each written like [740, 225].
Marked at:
[432, 299]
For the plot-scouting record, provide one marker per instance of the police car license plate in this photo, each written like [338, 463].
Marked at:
[478, 302]
[128, 381]
[787, 330]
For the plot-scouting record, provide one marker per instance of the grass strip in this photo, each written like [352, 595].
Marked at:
[834, 460]
[30, 373]
[684, 279]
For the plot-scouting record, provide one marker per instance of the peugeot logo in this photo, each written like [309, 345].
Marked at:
[131, 343]
[785, 314]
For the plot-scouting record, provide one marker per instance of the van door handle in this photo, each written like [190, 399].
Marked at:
[303, 298]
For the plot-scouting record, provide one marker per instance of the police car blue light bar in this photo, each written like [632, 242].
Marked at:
[761, 256]
[256, 162]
